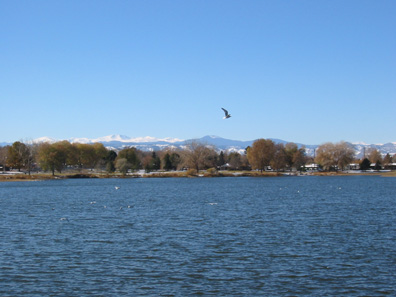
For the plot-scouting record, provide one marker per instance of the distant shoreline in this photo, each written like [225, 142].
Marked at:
[45, 176]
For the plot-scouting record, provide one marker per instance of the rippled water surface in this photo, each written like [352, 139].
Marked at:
[287, 236]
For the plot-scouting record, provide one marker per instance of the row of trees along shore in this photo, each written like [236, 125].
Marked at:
[264, 153]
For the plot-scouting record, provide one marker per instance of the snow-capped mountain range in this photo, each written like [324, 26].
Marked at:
[149, 143]
[113, 138]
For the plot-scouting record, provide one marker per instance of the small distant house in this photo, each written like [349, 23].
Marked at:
[2, 168]
[375, 166]
[390, 166]
[225, 166]
[311, 167]
[353, 166]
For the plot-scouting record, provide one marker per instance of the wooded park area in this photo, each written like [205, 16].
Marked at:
[263, 155]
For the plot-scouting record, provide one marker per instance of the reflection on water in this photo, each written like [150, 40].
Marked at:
[283, 236]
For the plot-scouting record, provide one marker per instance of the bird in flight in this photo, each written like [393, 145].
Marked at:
[227, 115]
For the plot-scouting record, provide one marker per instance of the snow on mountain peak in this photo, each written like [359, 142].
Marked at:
[44, 139]
[80, 140]
[123, 138]
[116, 137]
[144, 139]
[113, 138]
[172, 140]
[154, 139]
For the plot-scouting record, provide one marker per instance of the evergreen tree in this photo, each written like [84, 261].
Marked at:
[221, 161]
[130, 154]
[365, 164]
[175, 160]
[167, 162]
[109, 160]
[156, 162]
[110, 167]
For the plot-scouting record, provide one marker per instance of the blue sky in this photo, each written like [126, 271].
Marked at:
[301, 71]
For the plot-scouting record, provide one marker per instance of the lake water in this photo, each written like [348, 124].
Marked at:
[283, 236]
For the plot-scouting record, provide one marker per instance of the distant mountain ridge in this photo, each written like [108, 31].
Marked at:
[149, 143]
[113, 138]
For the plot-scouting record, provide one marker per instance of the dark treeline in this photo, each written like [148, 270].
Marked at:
[263, 155]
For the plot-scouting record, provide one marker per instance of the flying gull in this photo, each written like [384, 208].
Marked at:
[227, 115]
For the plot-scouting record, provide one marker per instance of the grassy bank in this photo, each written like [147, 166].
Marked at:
[179, 174]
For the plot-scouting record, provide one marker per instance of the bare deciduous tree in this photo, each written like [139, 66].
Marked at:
[324, 155]
[17, 155]
[261, 153]
[387, 159]
[51, 157]
[344, 154]
[122, 165]
[280, 158]
[4, 156]
[299, 158]
[374, 156]
[330, 155]
[235, 160]
[199, 156]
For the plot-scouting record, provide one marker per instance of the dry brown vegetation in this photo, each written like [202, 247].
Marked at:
[389, 174]
[163, 174]
[25, 177]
